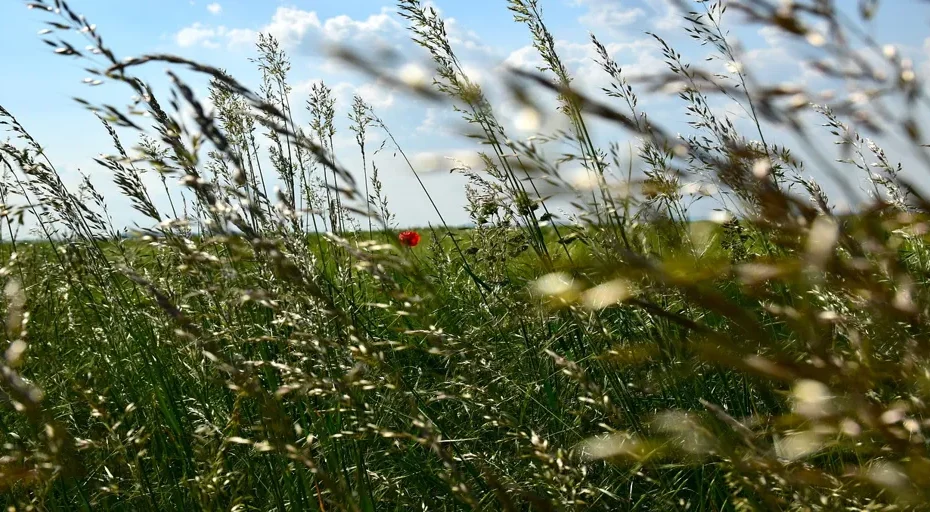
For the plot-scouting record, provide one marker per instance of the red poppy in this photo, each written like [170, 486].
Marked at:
[409, 238]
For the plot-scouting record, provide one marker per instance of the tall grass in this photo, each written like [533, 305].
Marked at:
[268, 344]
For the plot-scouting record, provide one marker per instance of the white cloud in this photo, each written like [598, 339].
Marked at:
[298, 29]
[780, 56]
[467, 40]
[430, 121]
[523, 58]
[343, 28]
[668, 16]
[290, 25]
[376, 94]
[303, 31]
[608, 14]
[215, 8]
[636, 58]
[196, 34]
[440, 122]
[241, 37]
[199, 34]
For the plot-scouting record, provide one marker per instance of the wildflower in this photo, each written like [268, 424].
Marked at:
[409, 238]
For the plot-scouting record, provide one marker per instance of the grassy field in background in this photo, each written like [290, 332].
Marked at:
[455, 389]
[152, 419]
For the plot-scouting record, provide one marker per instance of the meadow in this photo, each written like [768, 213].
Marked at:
[289, 347]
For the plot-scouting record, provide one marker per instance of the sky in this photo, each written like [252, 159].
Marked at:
[38, 86]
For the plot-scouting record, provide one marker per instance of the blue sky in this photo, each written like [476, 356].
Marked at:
[38, 86]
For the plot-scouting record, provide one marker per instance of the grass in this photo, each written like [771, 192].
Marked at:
[279, 350]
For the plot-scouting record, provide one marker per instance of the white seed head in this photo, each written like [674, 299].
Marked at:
[557, 285]
[721, 216]
[607, 294]
[527, 120]
[761, 168]
[812, 398]
[413, 75]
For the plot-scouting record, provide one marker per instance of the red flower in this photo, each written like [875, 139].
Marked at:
[409, 238]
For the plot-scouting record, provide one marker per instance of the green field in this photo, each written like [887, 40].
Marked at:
[213, 376]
